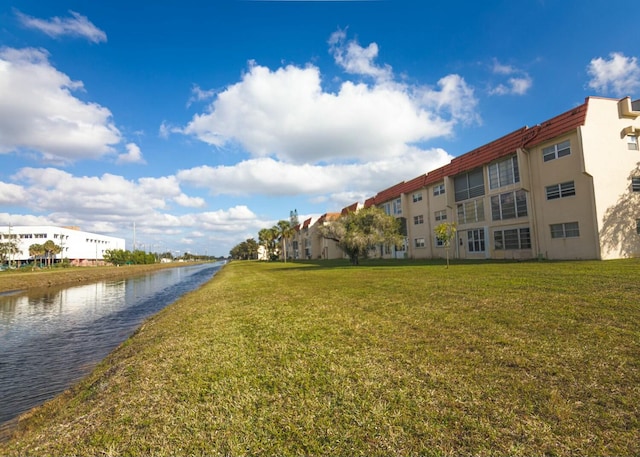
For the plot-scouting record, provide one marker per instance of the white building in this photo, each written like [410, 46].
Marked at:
[81, 248]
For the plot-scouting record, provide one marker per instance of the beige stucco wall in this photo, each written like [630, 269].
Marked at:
[609, 161]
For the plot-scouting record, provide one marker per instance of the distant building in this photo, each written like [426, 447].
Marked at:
[81, 248]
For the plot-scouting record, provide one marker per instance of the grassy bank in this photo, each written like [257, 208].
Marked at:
[382, 359]
[48, 277]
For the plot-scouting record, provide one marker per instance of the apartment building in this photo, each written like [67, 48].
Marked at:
[568, 188]
[81, 248]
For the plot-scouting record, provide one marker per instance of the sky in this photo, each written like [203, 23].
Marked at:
[200, 123]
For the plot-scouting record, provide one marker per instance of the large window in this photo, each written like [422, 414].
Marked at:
[471, 211]
[419, 219]
[565, 189]
[469, 185]
[565, 230]
[504, 173]
[397, 206]
[556, 151]
[509, 205]
[475, 240]
[512, 239]
[635, 184]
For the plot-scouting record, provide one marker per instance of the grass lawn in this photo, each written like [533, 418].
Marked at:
[389, 358]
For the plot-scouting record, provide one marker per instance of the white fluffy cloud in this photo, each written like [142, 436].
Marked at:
[133, 155]
[268, 176]
[77, 26]
[110, 197]
[518, 82]
[38, 111]
[619, 74]
[286, 115]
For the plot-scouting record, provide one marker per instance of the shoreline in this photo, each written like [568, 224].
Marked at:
[19, 281]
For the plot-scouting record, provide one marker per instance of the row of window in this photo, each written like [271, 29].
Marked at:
[510, 239]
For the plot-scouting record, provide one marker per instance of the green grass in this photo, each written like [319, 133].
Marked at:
[389, 358]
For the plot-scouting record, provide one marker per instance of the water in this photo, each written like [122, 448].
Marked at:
[51, 338]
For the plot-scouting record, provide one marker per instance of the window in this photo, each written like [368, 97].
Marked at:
[475, 240]
[439, 243]
[387, 208]
[556, 151]
[566, 189]
[504, 173]
[638, 226]
[472, 211]
[469, 185]
[438, 189]
[397, 206]
[417, 197]
[566, 230]
[635, 184]
[419, 219]
[512, 239]
[509, 205]
[419, 242]
[440, 215]
[632, 142]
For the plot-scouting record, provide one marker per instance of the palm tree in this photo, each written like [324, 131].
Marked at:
[36, 251]
[267, 237]
[285, 231]
[51, 249]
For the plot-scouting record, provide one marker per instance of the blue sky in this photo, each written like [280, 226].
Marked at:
[203, 122]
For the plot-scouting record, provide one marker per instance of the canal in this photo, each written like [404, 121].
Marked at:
[50, 339]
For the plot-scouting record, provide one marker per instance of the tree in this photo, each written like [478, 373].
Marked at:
[357, 232]
[285, 230]
[51, 250]
[36, 251]
[8, 249]
[445, 232]
[267, 238]
[245, 250]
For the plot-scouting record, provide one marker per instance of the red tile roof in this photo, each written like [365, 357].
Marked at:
[349, 209]
[504, 146]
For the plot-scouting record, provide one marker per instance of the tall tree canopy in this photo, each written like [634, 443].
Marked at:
[357, 232]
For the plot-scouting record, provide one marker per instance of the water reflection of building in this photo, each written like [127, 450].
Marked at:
[81, 248]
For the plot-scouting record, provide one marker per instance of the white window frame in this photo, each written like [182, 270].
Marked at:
[471, 211]
[632, 142]
[523, 235]
[556, 151]
[562, 190]
[565, 230]
[417, 197]
[504, 173]
[397, 206]
[440, 215]
[476, 241]
[419, 242]
[438, 189]
[419, 219]
[519, 209]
